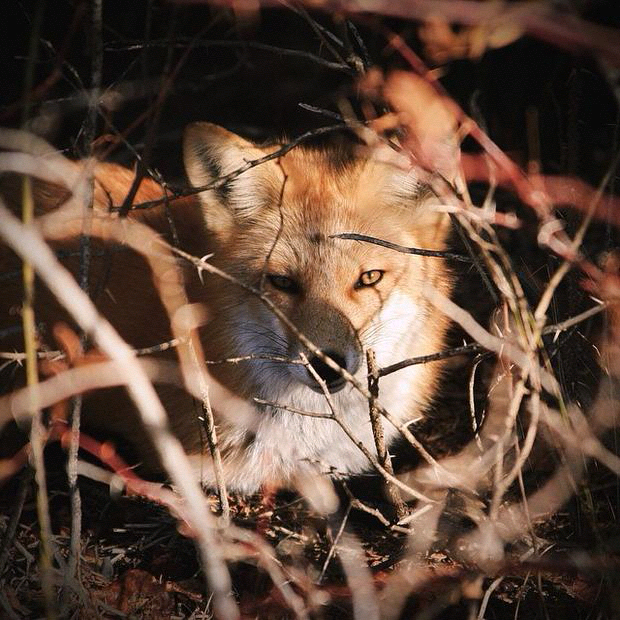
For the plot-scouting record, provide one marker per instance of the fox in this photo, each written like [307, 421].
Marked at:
[270, 219]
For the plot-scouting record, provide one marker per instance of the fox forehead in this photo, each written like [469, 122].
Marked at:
[282, 212]
[319, 198]
[301, 236]
[325, 184]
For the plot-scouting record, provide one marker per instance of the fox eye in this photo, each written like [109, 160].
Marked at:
[369, 278]
[283, 283]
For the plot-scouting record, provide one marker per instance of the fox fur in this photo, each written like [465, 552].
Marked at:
[272, 228]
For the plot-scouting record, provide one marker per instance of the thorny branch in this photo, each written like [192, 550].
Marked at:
[222, 181]
[198, 43]
[28, 244]
[403, 249]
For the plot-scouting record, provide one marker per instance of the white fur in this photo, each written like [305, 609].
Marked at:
[288, 444]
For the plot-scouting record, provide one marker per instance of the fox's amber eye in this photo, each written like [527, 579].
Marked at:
[283, 283]
[369, 278]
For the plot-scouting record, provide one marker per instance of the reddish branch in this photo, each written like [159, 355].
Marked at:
[561, 190]
[539, 19]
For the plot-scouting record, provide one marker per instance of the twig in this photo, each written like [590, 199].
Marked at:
[573, 248]
[356, 504]
[270, 564]
[16, 513]
[89, 131]
[74, 381]
[402, 248]
[574, 320]
[562, 190]
[183, 43]
[376, 423]
[363, 594]
[351, 435]
[490, 342]
[231, 176]
[487, 595]
[475, 424]
[310, 414]
[73, 567]
[37, 431]
[276, 154]
[414, 571]
[502, 486]
[29, 245]
[467, 242]
[579, 435]
[472, 347]
[255, 356]
[209, 423]
[332, 548]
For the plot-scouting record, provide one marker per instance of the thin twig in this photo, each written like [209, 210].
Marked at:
[73, 565]
[376, 424]
[402, 248]
[270, 563]
[310, 414]
[473, 347]
[183, 43]
[467, 242]
[523, 359]
[475, 424]
[332, 548]
[214, 449]
[231, 176]
[351, 435]
[37, 430]
[16, 513]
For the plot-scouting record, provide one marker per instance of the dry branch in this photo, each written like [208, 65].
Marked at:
[29, 245]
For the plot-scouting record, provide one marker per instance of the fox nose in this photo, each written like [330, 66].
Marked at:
[332, 379]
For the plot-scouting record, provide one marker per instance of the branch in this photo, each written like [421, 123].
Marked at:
[29, 245]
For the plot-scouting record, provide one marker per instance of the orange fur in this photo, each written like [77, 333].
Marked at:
[271, 227]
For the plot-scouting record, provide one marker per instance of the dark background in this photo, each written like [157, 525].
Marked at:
[227, 78]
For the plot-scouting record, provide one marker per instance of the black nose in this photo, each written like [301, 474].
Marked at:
[332, 379]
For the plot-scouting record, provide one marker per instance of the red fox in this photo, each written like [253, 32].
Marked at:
[272, 227]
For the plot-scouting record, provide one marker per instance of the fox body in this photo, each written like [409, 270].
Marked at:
[272, 228]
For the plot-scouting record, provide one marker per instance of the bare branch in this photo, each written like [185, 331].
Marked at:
[403, 249]
[29, 245]
[385, 460]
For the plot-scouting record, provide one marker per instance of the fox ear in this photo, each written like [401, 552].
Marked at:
[406, 185]
[210, 153]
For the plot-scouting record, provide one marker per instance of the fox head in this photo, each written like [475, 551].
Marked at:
[273, 227]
